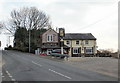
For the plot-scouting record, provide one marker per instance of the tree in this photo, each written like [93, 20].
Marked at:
[27, 24]
[21, 41]
[29, 18]
[110, 50]
[1, 26]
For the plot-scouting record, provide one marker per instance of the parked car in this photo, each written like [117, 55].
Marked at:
[57, 53]
[103, 55]
[43, 53]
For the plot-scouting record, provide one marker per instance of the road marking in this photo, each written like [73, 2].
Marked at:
[60, 74]
[10, 76]
[3, 76]
[8, 73]
[36, 63]
[13, 79]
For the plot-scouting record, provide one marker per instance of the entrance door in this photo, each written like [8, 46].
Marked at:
[49, 51]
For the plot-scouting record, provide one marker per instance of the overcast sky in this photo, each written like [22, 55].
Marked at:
[99, 17]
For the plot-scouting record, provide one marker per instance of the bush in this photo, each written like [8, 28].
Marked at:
[8, 48]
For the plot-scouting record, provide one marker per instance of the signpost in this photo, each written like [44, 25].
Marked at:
[61, 34]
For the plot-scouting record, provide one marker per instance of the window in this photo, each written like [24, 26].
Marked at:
[89, 50]
[75, 51]
[77, 42]
[50, 38]
[67, 42]
[86, 42]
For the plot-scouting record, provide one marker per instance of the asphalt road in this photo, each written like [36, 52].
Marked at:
[20, 66]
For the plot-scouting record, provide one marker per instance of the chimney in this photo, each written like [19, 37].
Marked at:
[49, 27]
[57, 30]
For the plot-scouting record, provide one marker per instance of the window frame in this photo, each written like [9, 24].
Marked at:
[75, 50]
[77, 42]
[67, 42]
[89, 52]
[49, 38]
[86, 42]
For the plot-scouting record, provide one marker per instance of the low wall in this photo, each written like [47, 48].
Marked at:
[115, 55]
[79, 58]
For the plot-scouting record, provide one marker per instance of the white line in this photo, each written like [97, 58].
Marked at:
[8, 73]
[10, 76]
[60, 74]
[36, 63]
[3, 76]
[13, 79]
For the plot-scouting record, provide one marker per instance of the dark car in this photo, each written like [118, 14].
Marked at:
[103, 55]
[57, 53]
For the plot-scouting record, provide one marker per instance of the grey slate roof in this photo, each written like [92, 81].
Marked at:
[79, 36]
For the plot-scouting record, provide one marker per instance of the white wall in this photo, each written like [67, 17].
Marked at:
[5, 40]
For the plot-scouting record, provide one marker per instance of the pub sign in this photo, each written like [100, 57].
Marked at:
[61, 32]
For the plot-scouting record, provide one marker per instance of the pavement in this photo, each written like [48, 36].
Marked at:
[28, 67]
[104, 65]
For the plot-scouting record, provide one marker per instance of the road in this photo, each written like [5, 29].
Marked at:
[20, 66]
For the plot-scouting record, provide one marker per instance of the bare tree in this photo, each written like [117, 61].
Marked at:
[29, 18]
[0, 27]
[110, 50]
[37, 19]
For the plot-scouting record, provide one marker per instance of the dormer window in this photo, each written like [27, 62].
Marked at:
[49, 38]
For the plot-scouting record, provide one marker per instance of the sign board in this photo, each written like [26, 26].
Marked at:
[61, 32]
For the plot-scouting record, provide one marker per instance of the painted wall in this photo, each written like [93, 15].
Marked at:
[50, 32]
[92, 43]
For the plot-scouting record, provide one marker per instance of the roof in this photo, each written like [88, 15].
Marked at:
[49, 30]
[53, 47]
[79, 36]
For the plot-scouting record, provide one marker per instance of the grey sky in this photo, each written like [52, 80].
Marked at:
[98, 17]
